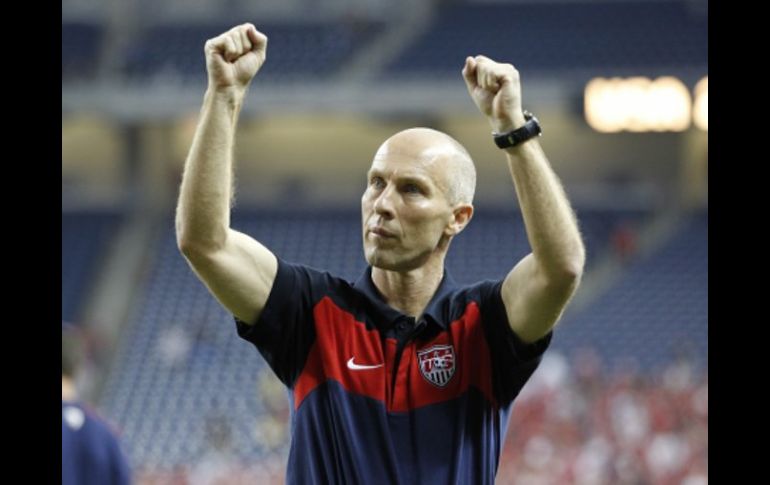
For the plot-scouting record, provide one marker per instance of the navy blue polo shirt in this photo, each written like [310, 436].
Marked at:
[90, 451]
[380, 397]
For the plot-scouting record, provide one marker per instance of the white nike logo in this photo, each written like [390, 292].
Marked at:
[353, 366]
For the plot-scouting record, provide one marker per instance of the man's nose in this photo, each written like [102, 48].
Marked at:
[383, 205]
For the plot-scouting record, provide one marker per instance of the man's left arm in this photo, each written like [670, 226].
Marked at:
[538, 288]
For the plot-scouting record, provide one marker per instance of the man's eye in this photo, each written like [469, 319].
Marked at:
[411, 189]
[377, 182]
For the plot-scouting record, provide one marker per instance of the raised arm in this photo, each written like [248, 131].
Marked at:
[538, 288]
[238, 270]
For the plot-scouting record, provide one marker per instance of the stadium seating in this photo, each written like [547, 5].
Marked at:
[657, 311]
[85, 236]
[80, 46]
[603, 36]
[316, 49]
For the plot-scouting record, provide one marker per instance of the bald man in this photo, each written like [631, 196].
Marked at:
[401, 376]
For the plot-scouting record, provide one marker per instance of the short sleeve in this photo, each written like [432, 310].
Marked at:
[284, 331]
[513, 360]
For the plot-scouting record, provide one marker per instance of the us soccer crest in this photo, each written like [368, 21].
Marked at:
[437, 364]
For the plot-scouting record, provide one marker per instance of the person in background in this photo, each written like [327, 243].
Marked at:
[90, 450]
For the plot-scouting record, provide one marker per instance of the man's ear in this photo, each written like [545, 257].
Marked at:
[461, 216]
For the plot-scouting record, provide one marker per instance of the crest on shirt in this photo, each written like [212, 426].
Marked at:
[437, 364]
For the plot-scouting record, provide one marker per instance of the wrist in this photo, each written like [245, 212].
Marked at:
[228, 93]
[508, 123]
[530, 128]
[231, 97]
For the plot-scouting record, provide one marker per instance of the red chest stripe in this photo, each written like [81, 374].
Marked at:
[346, 352]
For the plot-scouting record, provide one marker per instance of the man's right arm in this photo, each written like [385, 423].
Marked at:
[238, 270]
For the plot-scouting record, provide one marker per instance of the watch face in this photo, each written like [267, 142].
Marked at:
[536, 126]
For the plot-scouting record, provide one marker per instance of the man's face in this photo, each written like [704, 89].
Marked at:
[404, 209]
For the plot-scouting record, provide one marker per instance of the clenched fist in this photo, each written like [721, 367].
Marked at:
[233, 58]
[496, 91]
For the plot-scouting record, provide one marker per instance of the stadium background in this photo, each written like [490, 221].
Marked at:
[621, 397]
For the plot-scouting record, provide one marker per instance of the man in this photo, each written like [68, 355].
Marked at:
[90, 451]
[401, 377]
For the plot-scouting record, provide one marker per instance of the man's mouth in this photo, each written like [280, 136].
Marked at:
[381, 232]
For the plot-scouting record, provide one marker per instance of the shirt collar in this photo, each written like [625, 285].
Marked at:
[388, 315]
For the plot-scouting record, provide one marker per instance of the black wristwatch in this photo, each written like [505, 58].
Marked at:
[515, 137]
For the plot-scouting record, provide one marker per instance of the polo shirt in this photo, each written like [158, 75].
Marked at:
[377, 396]
[90, 451]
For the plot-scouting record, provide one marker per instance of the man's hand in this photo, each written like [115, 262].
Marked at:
[233, 58]
[496, 91]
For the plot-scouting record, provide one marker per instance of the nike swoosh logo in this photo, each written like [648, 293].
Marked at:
[353, 366]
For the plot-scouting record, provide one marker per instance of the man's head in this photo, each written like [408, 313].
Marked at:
[419, 195]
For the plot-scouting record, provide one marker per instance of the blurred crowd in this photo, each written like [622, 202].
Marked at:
[578, 424]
